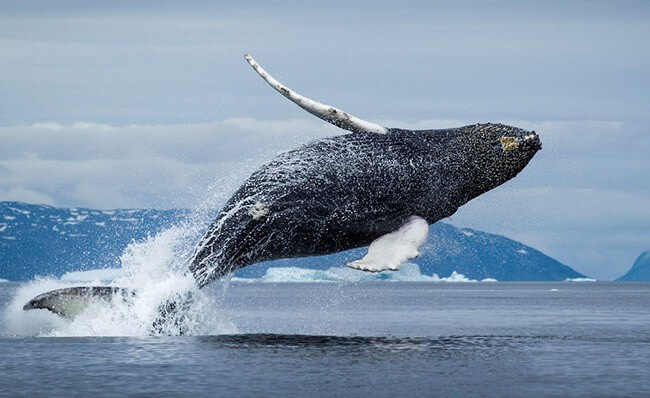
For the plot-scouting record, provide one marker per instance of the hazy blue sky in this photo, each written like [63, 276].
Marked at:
[152, 104]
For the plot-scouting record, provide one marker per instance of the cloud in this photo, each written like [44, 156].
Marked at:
[149, 63]
[21, 194]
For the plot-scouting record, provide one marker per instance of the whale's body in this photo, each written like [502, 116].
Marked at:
[346, 191]
[374, 186]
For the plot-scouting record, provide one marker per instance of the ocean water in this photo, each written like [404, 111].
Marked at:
[379, 339]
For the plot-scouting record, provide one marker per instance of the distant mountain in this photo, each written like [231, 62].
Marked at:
[640, 271]
[44, 240]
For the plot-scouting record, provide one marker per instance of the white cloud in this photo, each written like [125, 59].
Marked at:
[21, 194]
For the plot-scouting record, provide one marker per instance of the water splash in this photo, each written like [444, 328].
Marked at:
[156, 270]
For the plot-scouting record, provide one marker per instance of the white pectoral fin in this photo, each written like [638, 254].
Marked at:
[328, 113]
[390, 251]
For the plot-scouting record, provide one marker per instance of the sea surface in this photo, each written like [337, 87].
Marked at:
[380, 339]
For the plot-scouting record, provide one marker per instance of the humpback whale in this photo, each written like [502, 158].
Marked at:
[373, 186]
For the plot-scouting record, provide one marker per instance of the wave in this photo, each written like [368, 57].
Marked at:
[3, 280]
[580, 280]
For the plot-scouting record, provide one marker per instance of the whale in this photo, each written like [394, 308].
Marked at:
[372, 186]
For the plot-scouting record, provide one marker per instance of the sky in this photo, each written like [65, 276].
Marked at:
[151, 104]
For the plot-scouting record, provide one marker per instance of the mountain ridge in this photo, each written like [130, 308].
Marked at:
[640, 270]
[46, 240]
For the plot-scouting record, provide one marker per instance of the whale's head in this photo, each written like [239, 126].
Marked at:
[498, 152]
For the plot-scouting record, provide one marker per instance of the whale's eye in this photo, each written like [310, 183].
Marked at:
[508, 143]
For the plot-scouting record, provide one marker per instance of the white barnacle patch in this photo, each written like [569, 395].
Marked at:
[258, 210]
[508, 143]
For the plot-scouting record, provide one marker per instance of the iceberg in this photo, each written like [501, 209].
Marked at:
[408, 273]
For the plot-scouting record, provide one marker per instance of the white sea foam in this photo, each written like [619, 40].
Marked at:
[3, 280]
[580, 280]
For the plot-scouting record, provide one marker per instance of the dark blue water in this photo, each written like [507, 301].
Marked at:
[372, 339]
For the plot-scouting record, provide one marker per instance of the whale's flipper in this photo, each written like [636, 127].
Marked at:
[328, 113]
[390, 251]
[72, 301]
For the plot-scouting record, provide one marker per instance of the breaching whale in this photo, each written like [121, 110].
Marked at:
[374, 186]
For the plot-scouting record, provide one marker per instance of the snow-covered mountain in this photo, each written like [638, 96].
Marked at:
[44, 240]
[640, 271]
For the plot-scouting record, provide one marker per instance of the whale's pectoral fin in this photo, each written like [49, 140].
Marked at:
[328, 113]
[390, 251]
[72, 301]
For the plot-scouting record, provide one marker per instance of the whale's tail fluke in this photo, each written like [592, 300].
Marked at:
[328, 113]
[72, 301]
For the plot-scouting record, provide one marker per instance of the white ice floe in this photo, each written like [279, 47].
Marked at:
[455, 277]
[580, 280]
[408, 273]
